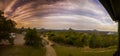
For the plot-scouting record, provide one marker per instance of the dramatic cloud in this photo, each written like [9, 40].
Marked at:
[58, 14]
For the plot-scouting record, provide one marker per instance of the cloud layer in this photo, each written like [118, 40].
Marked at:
[58, 14]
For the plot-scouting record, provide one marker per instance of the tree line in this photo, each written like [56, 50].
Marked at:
[92, 40]
[8, 26]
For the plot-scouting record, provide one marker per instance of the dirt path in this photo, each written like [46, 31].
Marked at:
[49, 49]
[19, 39]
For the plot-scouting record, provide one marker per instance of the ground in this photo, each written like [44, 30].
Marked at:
[19, 39]
[49, 49]
[75, 51]
[19, 49]
[59, 50]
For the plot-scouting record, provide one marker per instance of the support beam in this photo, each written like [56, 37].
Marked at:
[119, 35]
[117, 53]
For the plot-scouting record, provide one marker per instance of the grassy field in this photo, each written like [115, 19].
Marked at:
[74, 51]
[21, 51]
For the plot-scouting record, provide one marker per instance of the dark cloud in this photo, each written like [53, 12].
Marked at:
[67, 13]
[4, 4]
[19, 3]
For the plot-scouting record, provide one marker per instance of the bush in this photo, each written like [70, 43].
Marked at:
[7, 26]
[92, 40]
[32, 38]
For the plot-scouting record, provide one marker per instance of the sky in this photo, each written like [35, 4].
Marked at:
[58, 14]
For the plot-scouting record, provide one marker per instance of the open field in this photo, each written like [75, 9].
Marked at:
[21, 51]
[74, 51]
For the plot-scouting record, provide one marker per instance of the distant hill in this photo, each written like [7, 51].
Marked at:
[81, 31]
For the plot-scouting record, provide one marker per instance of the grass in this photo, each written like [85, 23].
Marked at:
[74, 51]
[21, 51]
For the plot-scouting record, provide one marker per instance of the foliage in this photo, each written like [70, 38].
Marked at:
[20, 30]
[75, 51]
[92, 40]
[32, 38]
[95, 42]
[6, 27]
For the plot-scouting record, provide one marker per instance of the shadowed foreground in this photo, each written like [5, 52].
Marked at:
[21, 51]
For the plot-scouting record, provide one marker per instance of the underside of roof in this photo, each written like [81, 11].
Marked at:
[112, 7]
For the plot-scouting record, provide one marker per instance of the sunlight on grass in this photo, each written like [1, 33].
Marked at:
[74, 51]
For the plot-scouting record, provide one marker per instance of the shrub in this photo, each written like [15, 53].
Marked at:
[32, 38]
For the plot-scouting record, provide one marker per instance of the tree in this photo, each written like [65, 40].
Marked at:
[96, 41]
[32, 38]
[7, 26]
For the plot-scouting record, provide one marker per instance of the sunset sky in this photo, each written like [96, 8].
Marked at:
[58, 14]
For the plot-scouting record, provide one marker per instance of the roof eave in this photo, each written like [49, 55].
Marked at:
[108, 6]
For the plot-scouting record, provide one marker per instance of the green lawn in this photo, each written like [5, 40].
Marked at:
[21, 51]
[74, 51]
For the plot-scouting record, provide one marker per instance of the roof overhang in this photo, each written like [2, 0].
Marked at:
[112, 7]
